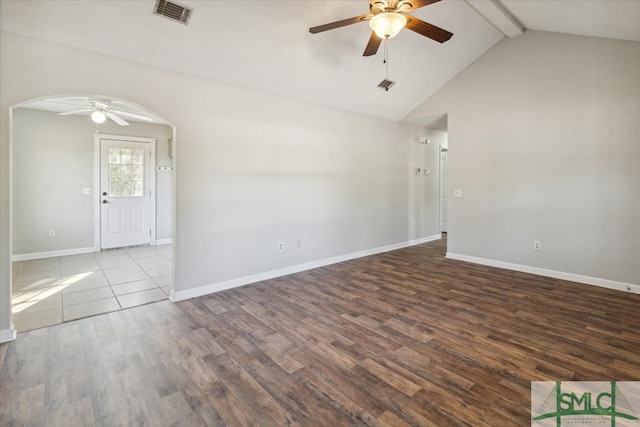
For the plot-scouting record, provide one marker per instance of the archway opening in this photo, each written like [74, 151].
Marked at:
[61, 177]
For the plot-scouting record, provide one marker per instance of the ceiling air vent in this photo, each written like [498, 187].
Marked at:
[173, 11]
[386, 84]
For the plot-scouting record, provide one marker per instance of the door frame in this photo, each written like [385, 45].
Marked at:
[441, 153]
[97, 236]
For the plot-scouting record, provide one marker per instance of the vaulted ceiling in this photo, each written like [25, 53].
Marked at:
[266, 44]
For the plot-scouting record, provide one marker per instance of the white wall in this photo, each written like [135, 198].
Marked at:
[53, 159]
[544, 140]
[252, 169]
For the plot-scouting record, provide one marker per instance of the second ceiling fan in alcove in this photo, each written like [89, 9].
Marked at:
[101, 110]
[387, 18]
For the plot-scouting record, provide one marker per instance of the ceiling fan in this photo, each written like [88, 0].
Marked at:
[386, 19]
[100, 111]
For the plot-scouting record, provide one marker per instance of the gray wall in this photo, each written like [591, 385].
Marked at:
[251, 169]
[53, 159]
[544, 139]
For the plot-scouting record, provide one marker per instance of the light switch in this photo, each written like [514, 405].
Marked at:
[457, 193]
[86, 191]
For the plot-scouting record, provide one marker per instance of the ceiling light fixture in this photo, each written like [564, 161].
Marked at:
[387, 25]
[98, 117]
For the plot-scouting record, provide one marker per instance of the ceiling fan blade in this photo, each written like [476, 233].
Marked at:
[407, 5]
[372, 45]
[338, 24]
[132, 115]
[115, 118]
[68, 113]
[427, 30]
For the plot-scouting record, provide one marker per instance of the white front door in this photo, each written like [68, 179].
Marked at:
[443, 191]
[127, 189]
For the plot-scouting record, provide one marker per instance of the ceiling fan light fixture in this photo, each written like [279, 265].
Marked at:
[98, 117]
[387, 25]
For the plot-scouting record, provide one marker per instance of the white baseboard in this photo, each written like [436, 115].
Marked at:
[587, 280]
[51, 254]
[246, 280]
[7, 335]
[65, 252]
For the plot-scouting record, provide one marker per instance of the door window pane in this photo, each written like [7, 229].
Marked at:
[115, 188]
[114, 157]
[126, 188]
[126, 172]
[137, 157]
[125, 156]
[114, 172]
[138, 173]
[137, 188]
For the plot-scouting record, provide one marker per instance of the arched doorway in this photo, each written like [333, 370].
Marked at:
[59, 270]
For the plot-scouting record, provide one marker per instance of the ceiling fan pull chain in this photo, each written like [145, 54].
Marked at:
[386, 52]
[386, 56]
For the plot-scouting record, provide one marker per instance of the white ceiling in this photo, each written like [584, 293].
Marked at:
[266, 45]
[609, 19]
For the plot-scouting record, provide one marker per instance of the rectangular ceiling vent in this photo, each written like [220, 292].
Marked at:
[173, 11]
[386, 84]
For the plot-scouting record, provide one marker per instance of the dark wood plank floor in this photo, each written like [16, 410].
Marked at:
[401, 338]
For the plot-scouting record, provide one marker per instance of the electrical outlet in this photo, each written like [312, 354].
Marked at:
[457, 193]
[414, 225]
[281, 246]
[52, 233]
[536, 245]
[299, 243]
[86, 191]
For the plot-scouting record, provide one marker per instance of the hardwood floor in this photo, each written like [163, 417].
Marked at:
[401, 338]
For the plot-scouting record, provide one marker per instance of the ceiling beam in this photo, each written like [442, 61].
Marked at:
[498, 16]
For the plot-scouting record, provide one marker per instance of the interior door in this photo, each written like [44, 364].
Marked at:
[443, 190]
[125, 193]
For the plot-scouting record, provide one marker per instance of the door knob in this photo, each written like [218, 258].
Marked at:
[104, 201]
[104, 193]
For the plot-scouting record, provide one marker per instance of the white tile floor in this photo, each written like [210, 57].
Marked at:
[55, 290]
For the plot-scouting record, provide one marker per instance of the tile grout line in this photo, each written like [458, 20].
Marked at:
[59, 263]
[145, 271]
